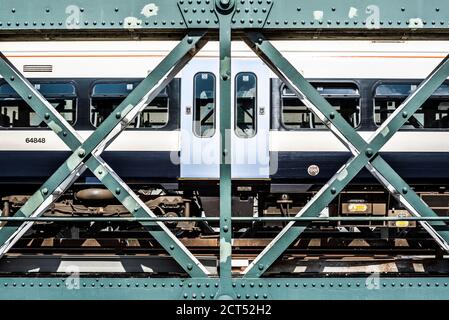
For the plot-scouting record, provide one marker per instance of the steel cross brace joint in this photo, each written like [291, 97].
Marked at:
[87, 154]
[364, 153]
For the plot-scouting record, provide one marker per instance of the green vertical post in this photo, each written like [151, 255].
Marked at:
[225, 8]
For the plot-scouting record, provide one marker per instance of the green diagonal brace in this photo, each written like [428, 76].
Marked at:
[87, 152]
[365, 154]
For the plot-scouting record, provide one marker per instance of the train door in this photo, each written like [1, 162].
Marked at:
[200, 130]
[250, 119]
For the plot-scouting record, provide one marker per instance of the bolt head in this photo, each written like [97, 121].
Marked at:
[369, 152]
[81, 153]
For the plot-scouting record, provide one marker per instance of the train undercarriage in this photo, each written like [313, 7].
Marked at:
[336, 247]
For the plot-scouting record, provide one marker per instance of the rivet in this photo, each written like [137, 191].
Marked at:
[225, 228]
[261, 266]
[118, 190]
[118, 115]
[30, 96]
[404, 190]
[251, 285]
[81, 153]
[45, 191]
[172, 247]
[47, 116]
[185, 295]
[369, 152]
[331, 115]
[189, 266]
[265, 296]
[238, 296]
[404, 114]
[11, 78]
[333, 190]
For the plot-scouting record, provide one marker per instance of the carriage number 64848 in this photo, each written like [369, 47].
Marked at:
[35, 140]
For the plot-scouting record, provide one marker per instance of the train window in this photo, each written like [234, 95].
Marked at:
[344, 97]
[107, 96]
[433, 114]
[245, 105]
[16, 113]
[204, 105]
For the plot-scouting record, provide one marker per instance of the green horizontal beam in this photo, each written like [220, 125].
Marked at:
[216, 219]
[169, 18]
[348, 288]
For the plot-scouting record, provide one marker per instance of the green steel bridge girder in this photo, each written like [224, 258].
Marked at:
[171, 18]
[364, 288]
[86, 154]
[364, 153]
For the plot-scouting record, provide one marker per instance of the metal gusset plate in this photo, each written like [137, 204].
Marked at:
[365, 154]
[87, 154]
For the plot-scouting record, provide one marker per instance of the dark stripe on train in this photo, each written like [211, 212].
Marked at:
[33, 167]
[414, 167]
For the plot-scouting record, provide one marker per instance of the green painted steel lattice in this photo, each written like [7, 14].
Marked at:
[257, 21]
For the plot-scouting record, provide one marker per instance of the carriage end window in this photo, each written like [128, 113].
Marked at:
[433, 114]
[108, 96]
[16, 113]
[246, 105]
[344, 97]
[204, 105]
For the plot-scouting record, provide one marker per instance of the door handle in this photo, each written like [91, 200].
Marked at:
[261, 111]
